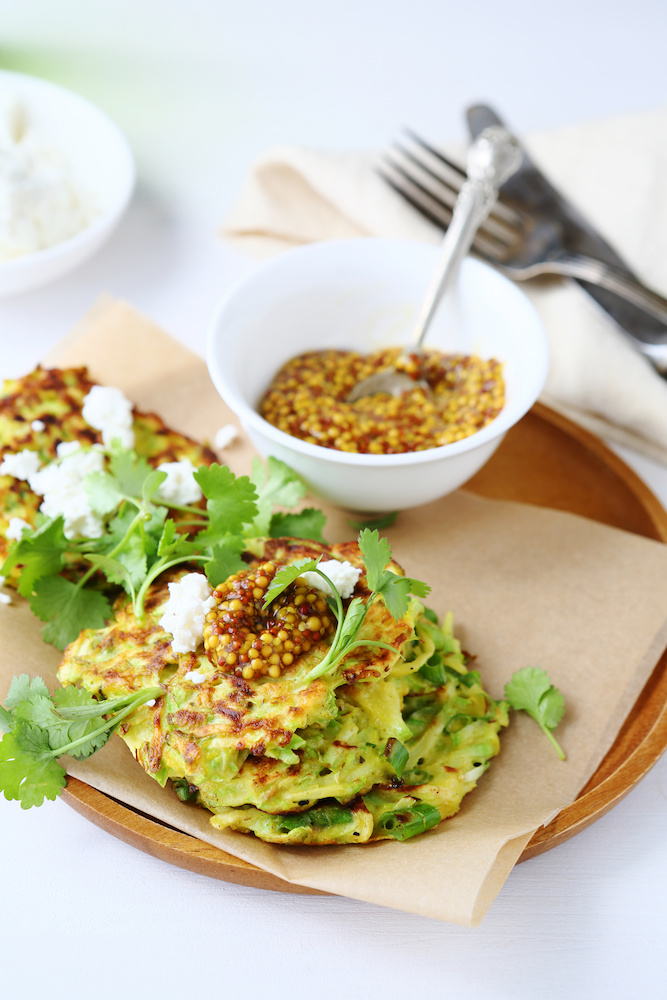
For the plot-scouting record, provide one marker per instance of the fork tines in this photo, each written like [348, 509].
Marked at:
[429, 181]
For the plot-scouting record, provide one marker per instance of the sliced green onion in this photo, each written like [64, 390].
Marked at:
[416, 776]
[330, 816]
[396, 754]
[434, 634]
[322, 817]
[410, 822]
[434, 671]
[185, 791]
[419, 720]
[461, 721]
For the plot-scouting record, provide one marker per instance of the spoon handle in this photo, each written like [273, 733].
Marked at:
[492, 158]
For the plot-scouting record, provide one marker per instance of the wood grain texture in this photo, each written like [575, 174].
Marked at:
[545, 460]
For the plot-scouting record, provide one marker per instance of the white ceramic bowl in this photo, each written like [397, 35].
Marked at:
[364, 294]
[102, 164]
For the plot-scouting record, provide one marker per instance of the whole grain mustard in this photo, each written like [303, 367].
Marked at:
[307, 399]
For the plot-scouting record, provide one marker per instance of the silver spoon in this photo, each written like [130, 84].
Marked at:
[492, 158]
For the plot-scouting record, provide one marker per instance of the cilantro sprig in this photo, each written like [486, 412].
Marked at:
[69, 583]
[530, 690]
[38, 728]
[382, 582]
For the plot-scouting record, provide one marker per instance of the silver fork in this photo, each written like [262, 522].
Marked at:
[519, 245]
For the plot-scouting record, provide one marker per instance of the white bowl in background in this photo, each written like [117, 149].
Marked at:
[364, 294]
[101, 162]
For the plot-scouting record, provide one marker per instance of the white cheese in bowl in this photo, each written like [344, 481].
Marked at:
[41, 203]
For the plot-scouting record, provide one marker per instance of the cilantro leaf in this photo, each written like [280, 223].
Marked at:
[169, 539]
[277, 486]
[552, 705]
[23, 687]
[33, 739]
[174, 543]
[130, 470]
[67, 609]
[81, 728]
[40, 712]
[394, 589]
[527, 689]
[395, 593]
[5, 720]
[353, 621]
[151, 484]
[530, 690]
[41, 554]
[148, 532]
[133, 559]
[288, 575]
[308, 523]
[377, 553]
[43, 728]
[230, 502]
[281, 484]
[225, 559]
[73, 697]
[117, 528]
[28, 771]
[154, 525]
[85, 715]
[115, 571]
[89, 729]
[103, 491]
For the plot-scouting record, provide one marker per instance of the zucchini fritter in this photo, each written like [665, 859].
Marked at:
[54, 397]
[298, 761]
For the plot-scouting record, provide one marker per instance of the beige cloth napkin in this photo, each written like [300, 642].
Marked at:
[614, 170]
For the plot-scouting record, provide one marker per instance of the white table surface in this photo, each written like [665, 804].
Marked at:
[200, 88]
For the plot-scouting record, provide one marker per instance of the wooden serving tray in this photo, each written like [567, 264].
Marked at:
[546, 460]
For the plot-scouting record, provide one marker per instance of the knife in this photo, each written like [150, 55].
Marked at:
[530, 191]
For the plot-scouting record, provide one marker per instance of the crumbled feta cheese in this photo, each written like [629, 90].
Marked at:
[61, 484]
[123, 435]
[195, 676]
[2, 580]
[38, 425]
[108, 410]
[21, 465]
[343, 575]
[5, 598]
[185, 612]
[228, 434]
[180, 487]
[149, 704]
[16, 528]
[67, 448]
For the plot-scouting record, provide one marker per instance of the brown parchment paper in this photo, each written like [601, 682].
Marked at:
[526, 586]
